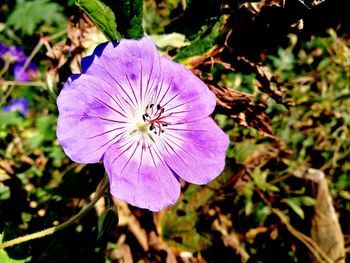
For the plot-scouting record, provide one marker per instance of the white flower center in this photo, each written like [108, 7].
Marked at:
[149, 124]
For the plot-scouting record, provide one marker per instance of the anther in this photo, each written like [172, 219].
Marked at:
[151, 127]
[158, 106]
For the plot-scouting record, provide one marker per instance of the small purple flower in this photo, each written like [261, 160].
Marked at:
[12, 53]
[146, 117]
[21, 105]
[30, 73]
[3, 49]
[15, 55]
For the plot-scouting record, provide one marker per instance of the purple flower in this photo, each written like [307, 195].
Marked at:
[15, 55]
[20, 104]
[146, 117]
[12, 53]
[30, 73]
[3, 49]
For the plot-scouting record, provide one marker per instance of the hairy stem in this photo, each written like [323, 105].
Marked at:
[102, 187]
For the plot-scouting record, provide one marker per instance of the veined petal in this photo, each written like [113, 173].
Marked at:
[183, 95]
[195, 151]
[132, 67]
[90, 118]
[140, 177]
[146, 117]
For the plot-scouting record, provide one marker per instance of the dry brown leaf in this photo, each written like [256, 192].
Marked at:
[239, 106]
[325, 228]
[126, 218]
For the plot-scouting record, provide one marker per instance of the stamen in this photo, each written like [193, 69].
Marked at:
[154, 119]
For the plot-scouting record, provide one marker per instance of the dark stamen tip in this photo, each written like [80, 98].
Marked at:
[158, 106]
[150, 106]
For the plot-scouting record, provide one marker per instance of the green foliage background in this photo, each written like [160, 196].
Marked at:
[300, 119]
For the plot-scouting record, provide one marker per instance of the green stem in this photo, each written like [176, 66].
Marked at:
[102, 187]
[29, 83]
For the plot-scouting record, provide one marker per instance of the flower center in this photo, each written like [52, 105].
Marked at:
[154, 118]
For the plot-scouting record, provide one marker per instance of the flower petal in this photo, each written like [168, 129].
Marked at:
[132, 66]
[140, 177]
[183, 95]
[91, 118]
[195, 151]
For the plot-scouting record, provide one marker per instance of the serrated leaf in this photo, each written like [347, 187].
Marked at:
[27, 16]
[103, 17]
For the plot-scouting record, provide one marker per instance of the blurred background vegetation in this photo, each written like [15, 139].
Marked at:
[281, 73]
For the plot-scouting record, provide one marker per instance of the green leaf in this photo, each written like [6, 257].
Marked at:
[135, 29]
[107, 222]
[9, 119]
[176, 40]
[307, 200]
[295, 207]
[44, 132]
[5, 192]
[205, 43]
[6, 259]
[102, 16]
[180, 225]
[129, 15]
[27, 16]
[296, 202]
